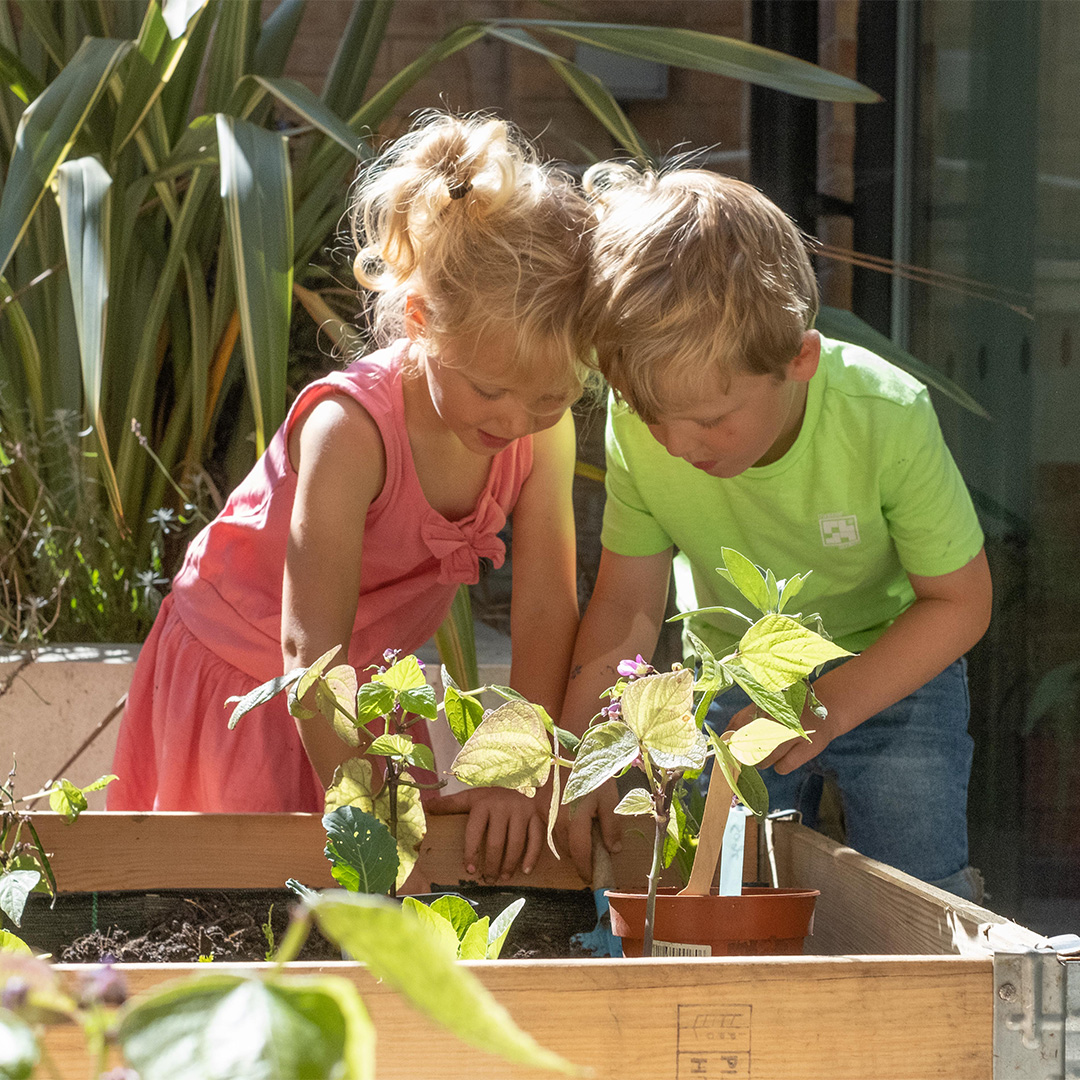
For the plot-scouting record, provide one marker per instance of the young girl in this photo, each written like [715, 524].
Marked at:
[386, 485]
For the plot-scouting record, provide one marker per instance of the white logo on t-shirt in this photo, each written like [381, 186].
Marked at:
[839, 530]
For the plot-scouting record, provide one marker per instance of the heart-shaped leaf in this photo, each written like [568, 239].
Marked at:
[778, 651]
[755, 741]
[605, 750]
[637, 801]
[511, 749]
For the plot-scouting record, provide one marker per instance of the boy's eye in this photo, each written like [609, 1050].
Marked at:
[488, 395]
[710, 423]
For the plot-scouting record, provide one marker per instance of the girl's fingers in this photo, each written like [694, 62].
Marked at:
[475, 828]
[516, 825]
[534, 843]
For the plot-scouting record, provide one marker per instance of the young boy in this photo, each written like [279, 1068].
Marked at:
[735, 424]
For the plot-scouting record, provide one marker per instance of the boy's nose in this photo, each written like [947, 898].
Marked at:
[673, 437]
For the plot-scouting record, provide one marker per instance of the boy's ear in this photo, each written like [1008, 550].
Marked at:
[415, 316]
[802, 368]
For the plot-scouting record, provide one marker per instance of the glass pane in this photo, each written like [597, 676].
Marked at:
[997, 200]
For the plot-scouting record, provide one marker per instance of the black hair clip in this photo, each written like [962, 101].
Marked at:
[459, 191]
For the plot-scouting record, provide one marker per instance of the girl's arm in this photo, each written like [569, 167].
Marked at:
[950, 614]
[505, 826]
[544, 605]
[341, 465]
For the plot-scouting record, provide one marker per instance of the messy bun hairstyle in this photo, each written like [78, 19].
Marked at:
[460, 210]
[694, 273]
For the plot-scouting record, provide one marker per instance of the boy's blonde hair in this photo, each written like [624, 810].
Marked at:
[460, 211]
[693, 273]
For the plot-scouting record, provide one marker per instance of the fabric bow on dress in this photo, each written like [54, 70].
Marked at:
[460, 545]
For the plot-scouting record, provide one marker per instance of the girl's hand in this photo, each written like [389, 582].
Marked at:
[505, 829]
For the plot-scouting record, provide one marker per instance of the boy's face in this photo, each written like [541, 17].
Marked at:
[745, 420]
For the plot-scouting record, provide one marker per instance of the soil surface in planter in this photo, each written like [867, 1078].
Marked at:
[177, 926]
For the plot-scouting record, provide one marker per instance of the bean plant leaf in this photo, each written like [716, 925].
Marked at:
[740, 779]
[605, 751]
[67, 800]
[778, 650]
[747, 578]
[785, 706]
[791, 588]
[511, 749]
[372, 701]
[657, 709]
[310, 674]
[757, 740]
[260, 695]
[501, 927]
[752, 791]
[353, 785]
[712, 677]
[379, 934]
[361, 850]
[15, 887]
[403, 674]
[463, 713]
[637, 801]
[335, 696]
[247, 1029]
[18, 1046]
[401, 746]
[422, 701]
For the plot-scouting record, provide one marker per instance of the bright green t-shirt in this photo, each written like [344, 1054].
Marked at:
[867, 493]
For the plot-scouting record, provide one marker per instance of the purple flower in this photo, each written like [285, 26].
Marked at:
[103, 986]
[612, 711]
[635, 669]
[390, 656]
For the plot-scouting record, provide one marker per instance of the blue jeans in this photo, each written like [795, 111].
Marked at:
[902, 777]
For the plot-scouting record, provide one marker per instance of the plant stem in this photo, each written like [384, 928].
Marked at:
[663, 813]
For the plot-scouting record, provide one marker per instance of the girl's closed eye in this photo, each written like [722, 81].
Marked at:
[714, 423]
[492, 394]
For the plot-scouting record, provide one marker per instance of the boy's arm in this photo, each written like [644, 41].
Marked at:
[950, 614]
[623, 619]
[505, 827]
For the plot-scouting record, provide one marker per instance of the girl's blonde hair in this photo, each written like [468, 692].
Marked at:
[460, 211]
[693, 274]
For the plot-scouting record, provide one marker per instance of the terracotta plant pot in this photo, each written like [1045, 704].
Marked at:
[761, 922]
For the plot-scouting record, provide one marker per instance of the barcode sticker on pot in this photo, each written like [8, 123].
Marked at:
[673, 948]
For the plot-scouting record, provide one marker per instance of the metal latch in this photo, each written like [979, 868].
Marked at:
[1037, 1011]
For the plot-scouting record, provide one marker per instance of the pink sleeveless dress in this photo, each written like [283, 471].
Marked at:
[218, 632]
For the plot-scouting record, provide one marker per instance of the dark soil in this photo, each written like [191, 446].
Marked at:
[229, 924]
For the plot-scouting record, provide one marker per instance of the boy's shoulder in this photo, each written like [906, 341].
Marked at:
[857, 372]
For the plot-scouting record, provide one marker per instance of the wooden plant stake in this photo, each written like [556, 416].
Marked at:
[711, 837]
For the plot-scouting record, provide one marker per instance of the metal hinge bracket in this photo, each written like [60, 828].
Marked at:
[1037, 1012]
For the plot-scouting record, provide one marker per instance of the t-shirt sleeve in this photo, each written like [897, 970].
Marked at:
[931, 517]
[629, 528]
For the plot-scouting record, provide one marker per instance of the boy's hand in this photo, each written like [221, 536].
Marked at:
[505, 829]
[573, 831]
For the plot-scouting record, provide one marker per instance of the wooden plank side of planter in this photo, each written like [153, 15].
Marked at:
[765, 1019]
[868, 907]
[107, 850]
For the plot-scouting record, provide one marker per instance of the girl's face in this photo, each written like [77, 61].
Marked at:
[487, 401]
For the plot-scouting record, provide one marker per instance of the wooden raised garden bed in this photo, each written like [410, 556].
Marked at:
[904, 982]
